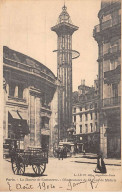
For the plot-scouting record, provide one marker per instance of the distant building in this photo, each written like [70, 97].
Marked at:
[108, 36]
[29, 87]
[86, 118]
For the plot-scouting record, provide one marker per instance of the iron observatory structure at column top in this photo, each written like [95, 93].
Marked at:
[64, 30]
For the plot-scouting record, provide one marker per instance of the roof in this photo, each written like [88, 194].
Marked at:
[18, 57]
[64, 23]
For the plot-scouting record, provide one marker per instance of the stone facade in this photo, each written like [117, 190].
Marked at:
[86, 118]
[28, 91]
[108, 36]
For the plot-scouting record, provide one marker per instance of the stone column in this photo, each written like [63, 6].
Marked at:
[5, 110]
[5, 118]
[32, 120]
[25, 93]
[35, 117]
[7, 89]
[16, 92]
[37, 122]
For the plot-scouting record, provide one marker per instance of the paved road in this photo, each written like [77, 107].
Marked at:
[62, 171]
[73, 165]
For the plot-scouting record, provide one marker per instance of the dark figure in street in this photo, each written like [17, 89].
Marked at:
[84, 152]
[65, 152]
[59, 153]
[62, 153]
[101, 168]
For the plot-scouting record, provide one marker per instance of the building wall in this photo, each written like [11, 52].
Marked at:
[54, 121]
[84, 121]
[108, 36]
[29, 90]
[86, 118]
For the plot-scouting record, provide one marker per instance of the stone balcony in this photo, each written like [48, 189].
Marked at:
[112, 73]
[112, 76]
[111, 102]
[106, 25]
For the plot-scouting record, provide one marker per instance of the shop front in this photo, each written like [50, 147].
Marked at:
[87, 142]
[80, 142]
[17, 129]
[45, 133]
[113, 133]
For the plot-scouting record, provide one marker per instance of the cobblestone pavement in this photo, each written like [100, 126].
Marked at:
[73, 168]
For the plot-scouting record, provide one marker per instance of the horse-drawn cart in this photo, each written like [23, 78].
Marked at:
[35, 157]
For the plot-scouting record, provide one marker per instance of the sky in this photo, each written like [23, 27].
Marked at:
[25, 26]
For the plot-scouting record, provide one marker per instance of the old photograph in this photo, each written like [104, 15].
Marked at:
[60, 95]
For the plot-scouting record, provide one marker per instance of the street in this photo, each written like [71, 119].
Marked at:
[78, 169]
[73, 165]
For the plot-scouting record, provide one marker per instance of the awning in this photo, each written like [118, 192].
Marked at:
[22, 115]
[14, 114]
[19, 124]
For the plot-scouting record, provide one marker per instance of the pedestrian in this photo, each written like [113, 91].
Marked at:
[65, 152]
[84, 152]
[59, 153]
[62, 153]
[101, 168]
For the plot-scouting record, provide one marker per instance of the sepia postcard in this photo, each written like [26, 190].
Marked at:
[60, 99]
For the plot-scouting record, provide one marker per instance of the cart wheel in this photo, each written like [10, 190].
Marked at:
[18, 167]
[39, 169]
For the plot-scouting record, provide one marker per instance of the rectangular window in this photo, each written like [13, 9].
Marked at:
[95, 105]
[106, 48]
[115, 17]
[80, 128]
[95, 115]
[74, 110]
[91, 127]
[80, 117]
[80, 108]
[113, 64]
[20, 91]
[96, 126]
[42, 123]
[91, 106]
[86, 128]
[86, 117]
[12, 89]
[115, 90]
[106, 66]
[74, 118]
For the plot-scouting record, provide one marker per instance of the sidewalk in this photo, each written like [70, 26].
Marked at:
[90, 157]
